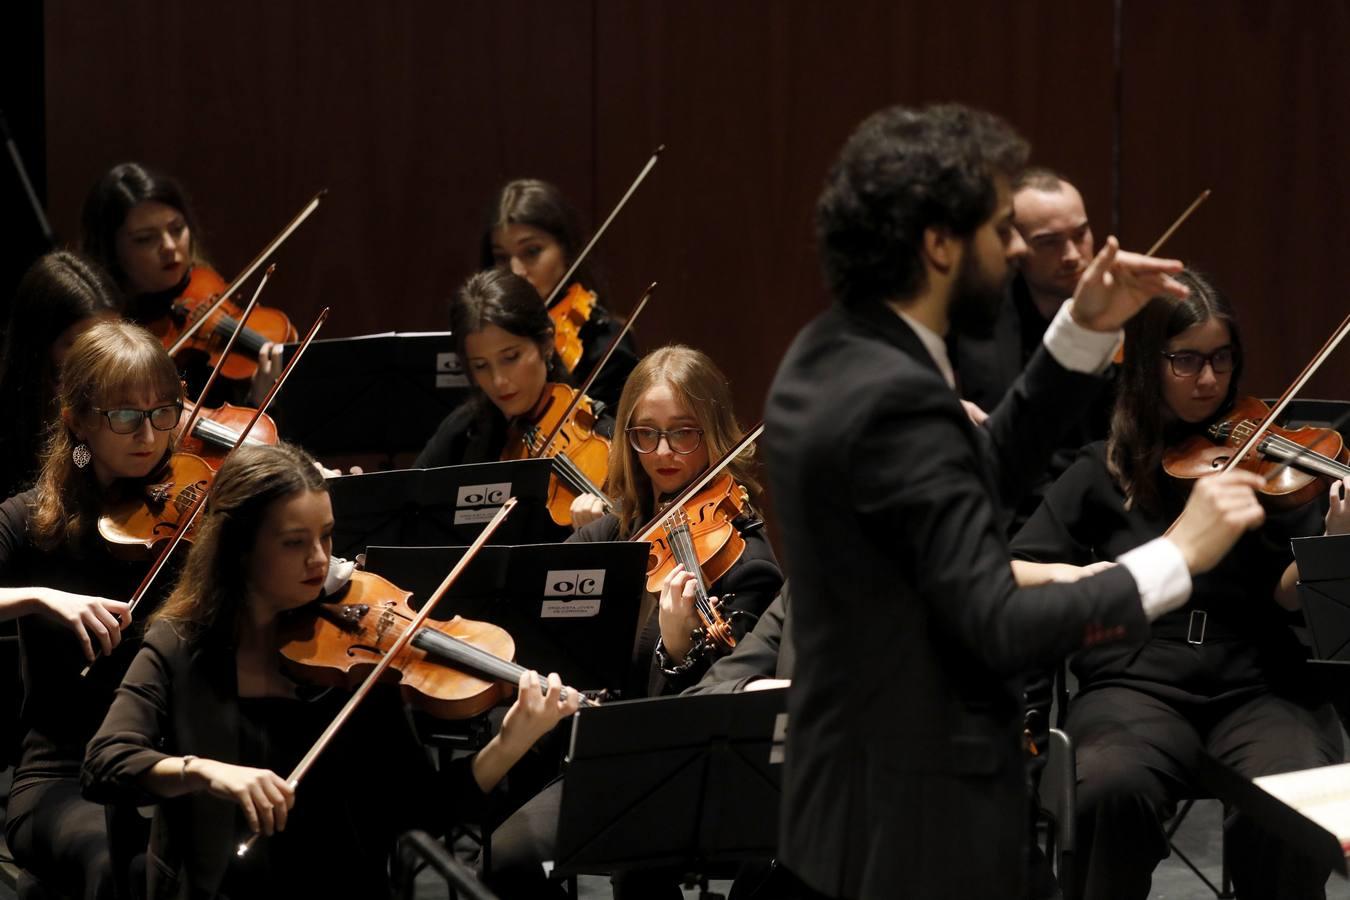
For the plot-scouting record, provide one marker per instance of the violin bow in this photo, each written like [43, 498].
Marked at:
[387, 659]
[224, 354]
[623, 201]
[1298, 384]
[1119, 356]
[1195, 204]
[252, 267]
[645, 533]
[595, 372]
[185, 522]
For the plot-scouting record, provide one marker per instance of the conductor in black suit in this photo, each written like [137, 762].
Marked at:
[904, 775]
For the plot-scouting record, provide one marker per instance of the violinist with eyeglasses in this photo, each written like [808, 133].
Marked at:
[1222, 674]
[678, 418]
[120, 401]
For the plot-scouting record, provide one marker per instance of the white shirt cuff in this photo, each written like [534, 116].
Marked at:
[1080, 349]
[1160, 572]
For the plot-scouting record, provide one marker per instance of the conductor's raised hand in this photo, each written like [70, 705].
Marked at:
[1117, 284]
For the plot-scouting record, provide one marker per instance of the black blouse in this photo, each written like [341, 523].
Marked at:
[475, 432]
[596, 336]
[61, 709]
[1247, 642]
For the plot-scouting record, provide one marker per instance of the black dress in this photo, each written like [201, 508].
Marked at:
[52, 832]
[1223, 674]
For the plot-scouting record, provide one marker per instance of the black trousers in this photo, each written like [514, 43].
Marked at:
[61, 839]
[1137, 757]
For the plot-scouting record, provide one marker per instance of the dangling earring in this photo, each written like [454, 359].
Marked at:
[80, 455]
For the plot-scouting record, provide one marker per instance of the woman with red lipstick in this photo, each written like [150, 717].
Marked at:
[505, 339]
[535, 233]
[138, 224]
[119, 400]
[206, 718]
[677, 418]
[1223, 674]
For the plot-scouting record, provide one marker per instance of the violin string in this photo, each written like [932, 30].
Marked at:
[1335, 426]
[568, 470]
[1244, 428]
[682, 547]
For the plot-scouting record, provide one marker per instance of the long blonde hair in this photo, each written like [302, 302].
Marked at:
[701, 386]
[205, 602]
[105, 364]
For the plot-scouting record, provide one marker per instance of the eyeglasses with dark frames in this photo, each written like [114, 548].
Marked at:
[1189, 363]
[126, 420]
[682, 440]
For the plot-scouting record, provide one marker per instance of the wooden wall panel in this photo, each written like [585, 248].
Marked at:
[412, 112]
[754, 100]
[408, 112]
[1247, 98]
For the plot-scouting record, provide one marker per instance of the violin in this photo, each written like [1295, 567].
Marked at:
[1296, 462]
[708, 506]
[216, 431]
[702, 536]
[201, 298]
[569, 315]
[135, 525]
[337, 641]
[563, 430]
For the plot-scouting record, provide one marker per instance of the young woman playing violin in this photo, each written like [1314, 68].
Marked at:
[59, 298]
[1223, 674]
[139, 225]
[119, 400]
[505, 339]
[206, 717]
[676, 412]
[535, 233]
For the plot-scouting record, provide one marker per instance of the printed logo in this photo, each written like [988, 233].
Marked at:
[574, 583]
[479, 502]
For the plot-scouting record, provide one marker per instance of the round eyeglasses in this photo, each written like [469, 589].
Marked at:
[1188, 363]
[681, 440]
[126, 421]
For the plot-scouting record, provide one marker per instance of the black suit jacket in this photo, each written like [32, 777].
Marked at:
[904, 774]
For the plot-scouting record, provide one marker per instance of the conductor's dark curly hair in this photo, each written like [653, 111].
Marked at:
[903, 171]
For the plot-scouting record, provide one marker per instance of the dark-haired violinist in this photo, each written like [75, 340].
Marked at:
[904, 770]
[534, 232]
[140, 225]
[505, 339]
[59, 298]
[206, 717]
[1223, 674]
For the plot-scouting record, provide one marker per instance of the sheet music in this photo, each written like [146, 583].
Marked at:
[1321, 794]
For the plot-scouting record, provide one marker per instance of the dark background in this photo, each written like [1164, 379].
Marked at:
[411, 113]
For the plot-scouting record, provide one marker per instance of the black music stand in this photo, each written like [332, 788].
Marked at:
[571, 608]
[682, 782]
[376, 393]
[446, 505]
[1324, 588]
